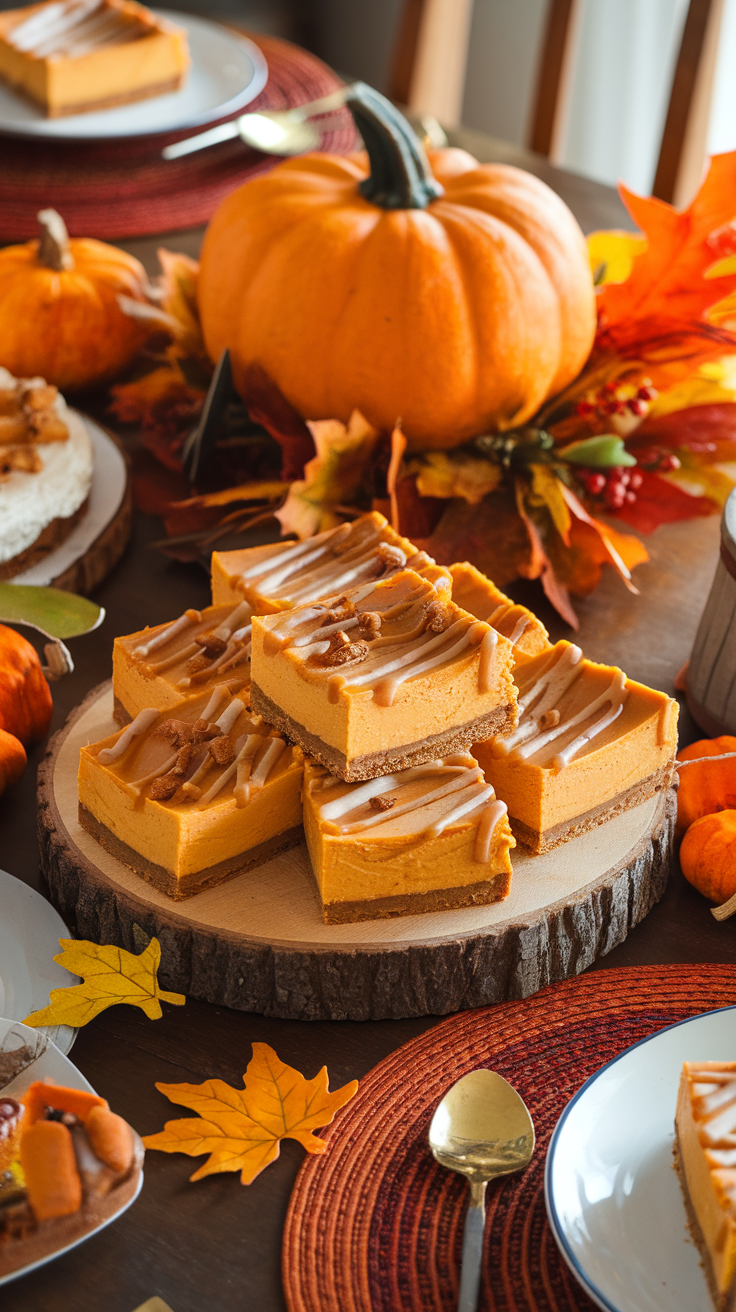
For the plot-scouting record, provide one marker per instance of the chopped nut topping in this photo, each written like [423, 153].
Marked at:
[369, 624]
[342, 652]
[213, 646]
[184, 759]
[163, 788]
[222, 751]
[343, 609]
[176, 732]
[204, 730]
[197, 663]
[438, 616]
[382, 803]
[549, 719]
[25, 458]
[390, 557]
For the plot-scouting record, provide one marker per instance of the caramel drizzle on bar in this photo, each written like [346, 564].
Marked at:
[388, 661]
[713, 1094]
[461, 789]
[234, 630]
[542, 724]
[256, 753]
[330, 562]
[71, 28]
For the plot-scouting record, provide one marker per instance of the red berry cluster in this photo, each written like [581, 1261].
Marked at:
[609, 403]
[618, 487]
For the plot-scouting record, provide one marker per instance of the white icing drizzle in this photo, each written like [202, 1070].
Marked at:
[166, 635]
[137, 785]
[230, 715]
[519, 630]
[465, 777]
[72, 28]
[219, 695]
[713, 1093]
[240, 614]
[143, 721]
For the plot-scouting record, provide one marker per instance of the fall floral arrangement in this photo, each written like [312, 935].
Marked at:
[644, 434]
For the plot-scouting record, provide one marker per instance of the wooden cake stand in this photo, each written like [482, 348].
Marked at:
[257, 942]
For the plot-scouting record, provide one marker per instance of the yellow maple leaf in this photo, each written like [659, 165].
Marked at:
[444, 474]
[714, 383]
[333, 477]
[242, 1129]
[612, 254]
[111, 975]
[546, 490]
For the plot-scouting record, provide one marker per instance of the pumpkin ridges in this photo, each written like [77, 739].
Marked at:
[25, 697]
[708, 855]
[13, 759]
[706, 788]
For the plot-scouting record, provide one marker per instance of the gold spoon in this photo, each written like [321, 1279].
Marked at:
[482, 1128]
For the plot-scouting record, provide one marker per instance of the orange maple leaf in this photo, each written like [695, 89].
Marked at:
[242, 1129]
[669, 289]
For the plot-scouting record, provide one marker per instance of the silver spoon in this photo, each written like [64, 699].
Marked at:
[482, 1128]
[275, 131]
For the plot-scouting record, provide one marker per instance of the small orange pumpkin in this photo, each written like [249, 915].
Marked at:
[708, 855]
[60, 317]
[453, 295]
[13, 759]
[708, 787]
[25, 696]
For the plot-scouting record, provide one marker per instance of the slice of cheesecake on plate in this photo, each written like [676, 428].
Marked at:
[705, 1156]
[424, 839]
[169, 663]
[390, 675]
[189, 799]
[589, 744]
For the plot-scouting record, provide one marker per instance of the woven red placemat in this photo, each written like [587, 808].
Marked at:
[123, 188]
[375, 1225]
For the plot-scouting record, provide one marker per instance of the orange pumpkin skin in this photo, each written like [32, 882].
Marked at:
[708, 855]
[13, 759]
[707, 788]
[66, 325]
[458, 318]
[25, 696]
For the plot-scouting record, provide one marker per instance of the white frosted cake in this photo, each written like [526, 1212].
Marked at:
[45, 471]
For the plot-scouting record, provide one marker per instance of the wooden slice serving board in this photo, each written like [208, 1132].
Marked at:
[257, 942]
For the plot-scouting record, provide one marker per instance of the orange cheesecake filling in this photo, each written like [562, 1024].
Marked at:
[480, 597]
[706, 1133]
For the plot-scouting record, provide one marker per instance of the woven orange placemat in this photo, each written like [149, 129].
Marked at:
[375, 1225]
[123, 188]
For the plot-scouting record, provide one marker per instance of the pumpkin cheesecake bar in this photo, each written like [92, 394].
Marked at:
[705, 1157]
[72, 56]
[281, 575]
[388, 676]
[589, 744]
[189, 800]
[425, 839]
[169, 663]
[480, 597]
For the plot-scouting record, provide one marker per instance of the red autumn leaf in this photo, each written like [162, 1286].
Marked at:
[268, 406]
[490, 535]
[658, 313]
[660, 502]
[695, 427]
[554, 590]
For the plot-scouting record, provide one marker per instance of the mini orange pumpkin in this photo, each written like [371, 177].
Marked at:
[59, 312]
[25, 696]
[456, 298]
[708, 855]
[708, 787]
[13, 759]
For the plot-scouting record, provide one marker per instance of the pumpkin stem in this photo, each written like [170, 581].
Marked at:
[400, 176]
[53, 246]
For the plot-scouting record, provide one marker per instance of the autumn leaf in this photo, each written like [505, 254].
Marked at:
[714, 383]
[242, 1129]
[333, 478]
[267, 406]
[612, 254]
[111, 976]
[547, 490]
[202, 512]
[450, 474]
[658, 501]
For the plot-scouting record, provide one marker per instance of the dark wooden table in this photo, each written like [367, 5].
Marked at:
[215, 1245]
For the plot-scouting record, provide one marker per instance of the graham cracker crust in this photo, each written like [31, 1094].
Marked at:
[48, 540]
[409, 904]
[725, 1302]
[189, 885]
[538, 842]
[457, 739]
[119, 713]
[107, 102]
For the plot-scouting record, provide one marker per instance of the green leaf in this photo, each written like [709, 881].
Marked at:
[604, 452]
[53, 612]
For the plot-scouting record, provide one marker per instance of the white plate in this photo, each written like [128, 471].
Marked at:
[30, 930]
[613, 1197]
[109, 477]
[227, 72]
[49, 1064]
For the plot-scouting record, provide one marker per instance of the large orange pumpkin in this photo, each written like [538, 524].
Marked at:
[456, 298]
[60, 317]
[25, 696]
[708, 855]
[706, 787]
